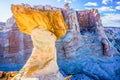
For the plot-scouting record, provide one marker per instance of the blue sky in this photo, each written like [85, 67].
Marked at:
[109, 9]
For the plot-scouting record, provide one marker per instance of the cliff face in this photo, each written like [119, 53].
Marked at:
[88, 18]
[79, 54]
[82, 52]
[15, 47]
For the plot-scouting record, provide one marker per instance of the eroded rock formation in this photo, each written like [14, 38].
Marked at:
[44, 29]
[83, 52]
[113, 34]
[15, 47]
[51, 20]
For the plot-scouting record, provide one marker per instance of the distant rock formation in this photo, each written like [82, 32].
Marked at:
[86, 52]
[113, 34]
[84, 45]
[2, 24]
[15, 47]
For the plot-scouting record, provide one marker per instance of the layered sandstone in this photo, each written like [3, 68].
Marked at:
[15, 47]
[27, 19]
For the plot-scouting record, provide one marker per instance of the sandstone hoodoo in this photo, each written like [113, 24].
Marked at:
[45, 27]
[66, 43]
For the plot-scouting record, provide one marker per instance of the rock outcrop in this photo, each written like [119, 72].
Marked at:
[85, 52]
[15, 47]
[91, 46]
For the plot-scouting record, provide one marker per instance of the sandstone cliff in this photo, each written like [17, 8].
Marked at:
[15, 47]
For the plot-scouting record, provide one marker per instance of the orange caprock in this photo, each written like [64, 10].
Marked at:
[28, 18]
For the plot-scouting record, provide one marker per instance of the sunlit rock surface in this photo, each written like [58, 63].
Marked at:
[83, 52]
[92, 54]
[27, 19]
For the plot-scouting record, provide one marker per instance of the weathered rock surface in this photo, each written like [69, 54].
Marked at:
[15, 47]
[7, 75]
[113, 34]
[89, 57]
[81, 51]
[48, 19]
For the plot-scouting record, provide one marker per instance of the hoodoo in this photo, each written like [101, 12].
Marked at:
[45, 27]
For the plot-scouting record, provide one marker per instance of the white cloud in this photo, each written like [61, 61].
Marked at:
[106, 9]
[111, 20]
[106, 1]
[68, 1]
[91, 4]
[118, 2]
[117, 7]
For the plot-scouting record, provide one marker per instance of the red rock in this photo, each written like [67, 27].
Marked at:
[88, 18]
